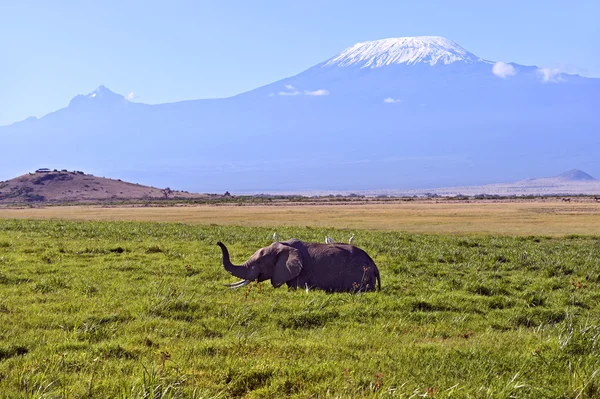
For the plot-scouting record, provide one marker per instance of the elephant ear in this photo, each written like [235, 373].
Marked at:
[287, 266]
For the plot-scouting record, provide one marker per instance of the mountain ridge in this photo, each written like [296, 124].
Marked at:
[438, 49]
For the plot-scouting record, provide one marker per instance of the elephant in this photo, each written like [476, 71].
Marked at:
[330, 267]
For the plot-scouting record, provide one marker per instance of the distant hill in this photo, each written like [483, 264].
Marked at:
[69, 186]
[572, 182]
[575, 175]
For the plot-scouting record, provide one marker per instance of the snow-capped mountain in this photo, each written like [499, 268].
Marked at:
[429, 50]
[392, 113]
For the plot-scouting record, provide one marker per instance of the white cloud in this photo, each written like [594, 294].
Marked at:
[390, 100]
[503, 70]
[320, 92]
[549, 74]
[288, 93]
[292, 91]
[131, 96]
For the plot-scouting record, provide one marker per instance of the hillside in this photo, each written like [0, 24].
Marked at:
[69, 186]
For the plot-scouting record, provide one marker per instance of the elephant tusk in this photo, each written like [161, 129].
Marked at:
[239, 284]
[242, 284]
[231, 285]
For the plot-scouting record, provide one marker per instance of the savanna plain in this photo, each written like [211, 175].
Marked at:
[476, 302]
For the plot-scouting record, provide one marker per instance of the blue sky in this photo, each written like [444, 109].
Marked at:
[169, 51]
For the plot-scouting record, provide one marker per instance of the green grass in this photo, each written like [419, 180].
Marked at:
[137, 310]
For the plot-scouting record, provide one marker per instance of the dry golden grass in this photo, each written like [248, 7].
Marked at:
[551, 217]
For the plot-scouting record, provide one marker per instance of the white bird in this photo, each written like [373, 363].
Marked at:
[328, 240]
[306, 284]
[275, 237]
[351, 239]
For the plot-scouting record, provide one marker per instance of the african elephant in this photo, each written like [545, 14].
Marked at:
[331, 267]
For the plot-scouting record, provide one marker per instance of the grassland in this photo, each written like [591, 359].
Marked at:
[547, 217]
[136, 310]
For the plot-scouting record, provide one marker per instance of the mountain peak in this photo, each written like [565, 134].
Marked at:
[575, 175]
[103, 91]
[100, 96]
[403, 50]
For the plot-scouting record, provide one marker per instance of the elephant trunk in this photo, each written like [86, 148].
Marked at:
[242, 271]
